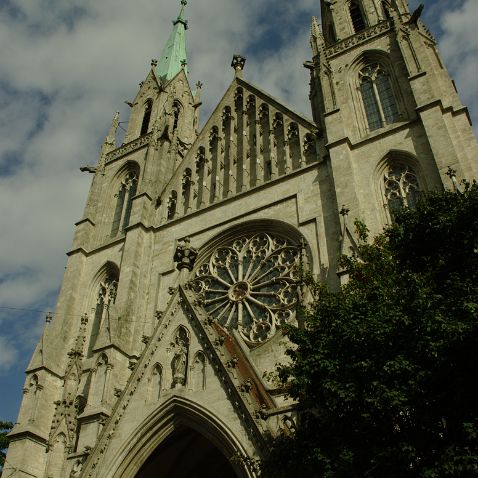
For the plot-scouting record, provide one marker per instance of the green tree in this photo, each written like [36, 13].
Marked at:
[5, 427]
[384, 371]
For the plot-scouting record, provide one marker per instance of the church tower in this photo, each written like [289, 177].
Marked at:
[391, 118]
[186, 261]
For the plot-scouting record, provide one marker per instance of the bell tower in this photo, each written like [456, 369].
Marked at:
[77, 371]
[391, 117]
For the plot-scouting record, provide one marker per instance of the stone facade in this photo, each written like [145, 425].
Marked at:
[185, 263]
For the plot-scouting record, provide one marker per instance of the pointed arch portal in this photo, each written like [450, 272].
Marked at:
[181, 439]
[186, 453]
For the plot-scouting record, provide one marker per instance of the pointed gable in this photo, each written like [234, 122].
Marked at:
[250, 139]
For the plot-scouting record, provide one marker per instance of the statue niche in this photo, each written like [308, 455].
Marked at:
[179, 363]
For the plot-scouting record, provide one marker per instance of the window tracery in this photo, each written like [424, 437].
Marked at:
[107, 291]
[401, 187]
[377, 96]
[251, 285]
[124, 202]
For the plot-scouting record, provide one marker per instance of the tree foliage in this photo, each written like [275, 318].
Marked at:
[384, 371]
[5, 427]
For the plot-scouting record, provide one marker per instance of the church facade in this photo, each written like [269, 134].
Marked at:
[187, 259]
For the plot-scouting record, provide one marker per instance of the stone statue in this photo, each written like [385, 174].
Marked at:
[180, 361]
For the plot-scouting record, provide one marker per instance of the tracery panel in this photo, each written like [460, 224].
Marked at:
[251, 285]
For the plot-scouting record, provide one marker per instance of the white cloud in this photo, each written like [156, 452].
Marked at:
[459, 46]
[67, 65]
[8, 354]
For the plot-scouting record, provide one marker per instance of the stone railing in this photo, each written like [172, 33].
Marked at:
[358, 38]
[129, 147]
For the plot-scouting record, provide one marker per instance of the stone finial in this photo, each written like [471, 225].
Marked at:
[185, 255]
[154, 63]
[238, 62]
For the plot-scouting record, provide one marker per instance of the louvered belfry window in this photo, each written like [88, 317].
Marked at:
[357, 16]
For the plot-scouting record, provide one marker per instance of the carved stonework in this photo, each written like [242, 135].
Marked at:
[129, 147]
[238, 62]
[179, 364]
[357, 39]
[185, 255]
[255, 299]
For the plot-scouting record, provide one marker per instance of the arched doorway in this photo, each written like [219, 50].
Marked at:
[186, 453]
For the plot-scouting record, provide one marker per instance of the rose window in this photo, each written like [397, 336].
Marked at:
[251, 285]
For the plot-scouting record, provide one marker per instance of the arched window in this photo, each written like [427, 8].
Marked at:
[377, 96]
[328, 24]
[146, 117]
[176, 113]
[105, 297]
[401, 186]
[385, 8]
[357, 16]
[124, 201]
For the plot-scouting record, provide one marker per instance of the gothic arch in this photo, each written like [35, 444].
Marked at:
[156, 383]
[248, 278]
[99, 386]
[377, 98]
[146, 120]
[102, 295]
[125, 184]
[177, 110]
[358, 16]
[197, 372]
[402, 169]
[174, 414]
[272, 226]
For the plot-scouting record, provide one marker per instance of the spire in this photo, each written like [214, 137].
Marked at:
[174, 58]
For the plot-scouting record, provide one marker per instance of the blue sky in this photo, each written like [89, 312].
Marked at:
[67, 65]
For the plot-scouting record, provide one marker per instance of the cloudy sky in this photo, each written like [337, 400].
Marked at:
[67, 65]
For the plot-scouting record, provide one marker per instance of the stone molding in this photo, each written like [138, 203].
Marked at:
[358, 38]
[128, 148]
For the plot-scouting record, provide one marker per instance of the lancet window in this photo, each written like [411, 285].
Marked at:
[357, 16]
[385, 9]
[176, 113]
[148, 107]
[401, 187]
[106, 296]
[378, 96]
[124, 201]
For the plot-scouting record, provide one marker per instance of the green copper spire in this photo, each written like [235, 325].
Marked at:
[174, 58]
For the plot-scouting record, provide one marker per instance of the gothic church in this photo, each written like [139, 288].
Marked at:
[185, 263]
